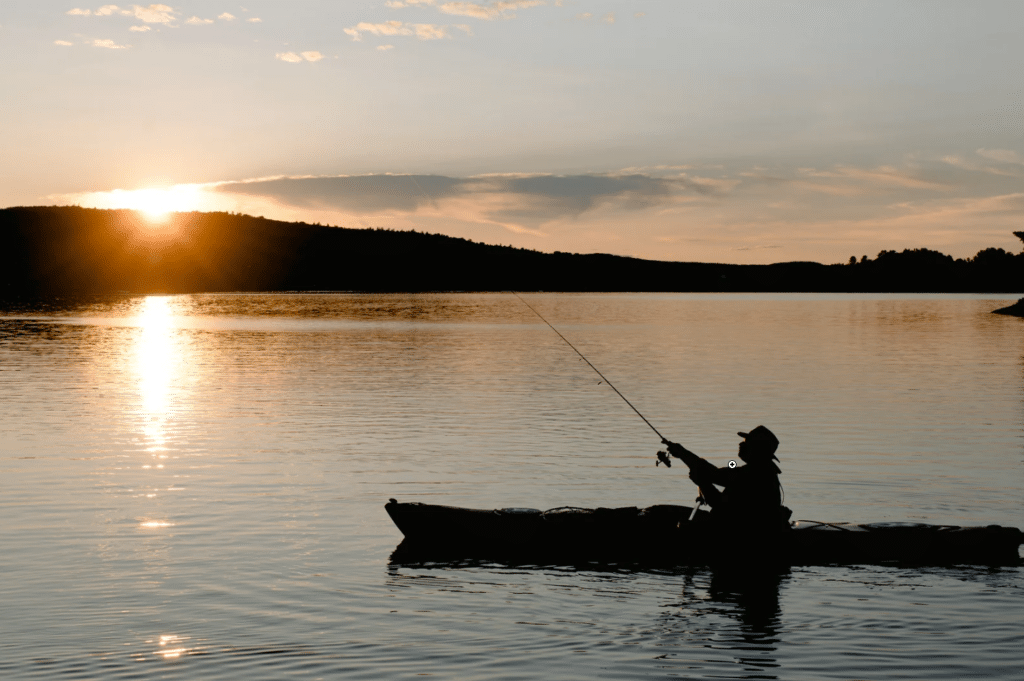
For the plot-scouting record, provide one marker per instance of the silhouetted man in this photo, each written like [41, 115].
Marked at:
[751, 497]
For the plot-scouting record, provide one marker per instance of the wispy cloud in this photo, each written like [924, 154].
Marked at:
[255, 20]
[63, 43]
[196, 21]
[385, 48]
[140, 29]
[532, 200]
[1000, 168]
[294, 58]
[154, 14]
[109, 44]
[398, 28]
[488, 11]
[226, 16]
[1002, 155]
[608, 18]
[383, 28]
[430, 31]
[516, 202]
[501, 9]
[881, 176]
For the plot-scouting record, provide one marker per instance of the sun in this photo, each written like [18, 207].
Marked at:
[156, 204]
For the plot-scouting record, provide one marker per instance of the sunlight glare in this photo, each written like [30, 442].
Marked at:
[157, 204]
[154, 364]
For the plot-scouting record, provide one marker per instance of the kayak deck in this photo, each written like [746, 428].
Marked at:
[665, 535]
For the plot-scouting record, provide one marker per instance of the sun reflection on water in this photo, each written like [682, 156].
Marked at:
[155, 362]
[171, 646]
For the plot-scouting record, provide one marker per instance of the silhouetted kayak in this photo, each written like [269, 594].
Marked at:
[665, 535]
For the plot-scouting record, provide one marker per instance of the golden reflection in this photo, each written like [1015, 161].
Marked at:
[171, 646]
[155, 365]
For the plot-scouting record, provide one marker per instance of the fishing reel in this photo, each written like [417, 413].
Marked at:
[663, 459]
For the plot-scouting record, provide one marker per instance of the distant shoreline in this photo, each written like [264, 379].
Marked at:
[68, 250]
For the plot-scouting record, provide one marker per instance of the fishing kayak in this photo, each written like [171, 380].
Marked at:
[675, 535]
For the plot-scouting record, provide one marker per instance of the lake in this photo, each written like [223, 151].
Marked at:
[193, 486]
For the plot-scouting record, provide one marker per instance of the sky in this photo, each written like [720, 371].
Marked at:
[713, 131]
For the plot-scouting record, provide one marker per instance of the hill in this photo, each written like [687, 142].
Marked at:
[70, 250]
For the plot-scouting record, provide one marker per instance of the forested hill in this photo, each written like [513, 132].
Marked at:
[72, 250]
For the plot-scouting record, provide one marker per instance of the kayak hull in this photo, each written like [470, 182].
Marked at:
[665, 535]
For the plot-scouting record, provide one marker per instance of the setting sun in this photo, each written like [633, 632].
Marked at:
[154, 203]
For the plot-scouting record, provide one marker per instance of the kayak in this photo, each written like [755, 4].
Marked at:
[675, 535]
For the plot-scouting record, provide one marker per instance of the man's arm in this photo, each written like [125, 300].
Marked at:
[701, 471]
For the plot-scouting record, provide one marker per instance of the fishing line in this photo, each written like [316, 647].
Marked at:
[592, 367]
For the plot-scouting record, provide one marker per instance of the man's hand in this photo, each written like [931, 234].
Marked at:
[676, 449]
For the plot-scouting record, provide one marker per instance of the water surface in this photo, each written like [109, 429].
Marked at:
[193, 486]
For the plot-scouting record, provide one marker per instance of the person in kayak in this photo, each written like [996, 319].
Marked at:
[752, 493]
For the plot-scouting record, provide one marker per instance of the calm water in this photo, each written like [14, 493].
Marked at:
[192, 487]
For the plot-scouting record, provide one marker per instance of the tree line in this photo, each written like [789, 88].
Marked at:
[68, 250]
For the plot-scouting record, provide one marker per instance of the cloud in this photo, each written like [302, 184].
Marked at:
[385, 28]
[63, 43]
[294, 58]
[384, 48]
[393, 28]
[500, 9]
[196, 21]
[587, 16]
[489, 11]
[970, 165]
[521, 203]
[430, 31]
[109, 44]
[1001, 155]
[226, 17]
[880, 176]
[255, 20]
[154, 14]
[140, 29]
[359, 193]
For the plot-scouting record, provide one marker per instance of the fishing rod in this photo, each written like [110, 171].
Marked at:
[664, 459]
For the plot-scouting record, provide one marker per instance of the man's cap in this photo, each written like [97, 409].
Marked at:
[763, 436]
